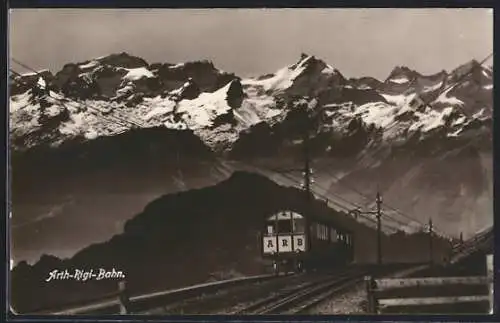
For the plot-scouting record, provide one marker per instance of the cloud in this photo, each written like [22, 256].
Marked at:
[54, 211]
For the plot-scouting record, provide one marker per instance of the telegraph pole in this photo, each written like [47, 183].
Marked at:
[307, 174]
[307, 165]
[379, 229]
[431, 258]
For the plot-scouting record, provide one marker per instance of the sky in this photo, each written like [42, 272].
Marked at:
[251, 42]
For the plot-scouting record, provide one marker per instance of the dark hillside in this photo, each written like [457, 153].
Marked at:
[195, 236]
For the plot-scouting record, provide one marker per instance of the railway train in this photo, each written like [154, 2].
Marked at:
[295, 243]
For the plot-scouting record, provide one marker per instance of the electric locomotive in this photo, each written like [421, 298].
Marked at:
[295, 243]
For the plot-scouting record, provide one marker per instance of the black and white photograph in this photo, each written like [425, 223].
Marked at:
[326, 161]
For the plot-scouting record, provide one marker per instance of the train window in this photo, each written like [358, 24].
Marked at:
[298, 225]
[284, 226]
[321, 231]
[270, 228]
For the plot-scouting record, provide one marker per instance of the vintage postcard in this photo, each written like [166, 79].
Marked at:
[251, 161]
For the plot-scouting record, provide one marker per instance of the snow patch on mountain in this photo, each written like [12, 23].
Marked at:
[160, 107]
[399, 80]
[135, 74]
[89, 65]
[75, 125]
[41, 82]
[377, 113]
[281, 80]
[430, 120]
[285, 77]
[398, 100]
[444, 98]
[479, 114]
[204, 109]
[434, 87]
[21, 101]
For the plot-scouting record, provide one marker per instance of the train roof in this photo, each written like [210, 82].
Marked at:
[320, 213]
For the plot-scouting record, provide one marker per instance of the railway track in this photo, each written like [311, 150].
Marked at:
[299, 298]
[212, 302]
[291, 294]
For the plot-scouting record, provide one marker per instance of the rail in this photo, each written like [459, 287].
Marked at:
[463, 250]
[121, 302]
[479, 237]
[300, 298]
[297, 298]
[403, 294]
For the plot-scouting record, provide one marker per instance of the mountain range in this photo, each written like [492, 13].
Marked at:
[94, 143]
[114, 94]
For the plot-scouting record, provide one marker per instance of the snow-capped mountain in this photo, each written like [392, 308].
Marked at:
[113, 94]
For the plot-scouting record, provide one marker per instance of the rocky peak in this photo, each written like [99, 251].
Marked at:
[203, 73]
[309, 62]
[471, 69]
[365, 83]
[123, 60]
[235, 94]
[22, 83]
[402, 74]
[189, 90]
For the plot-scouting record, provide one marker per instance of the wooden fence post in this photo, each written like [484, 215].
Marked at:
[370, 297]
[489, 275]
[123, 297]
